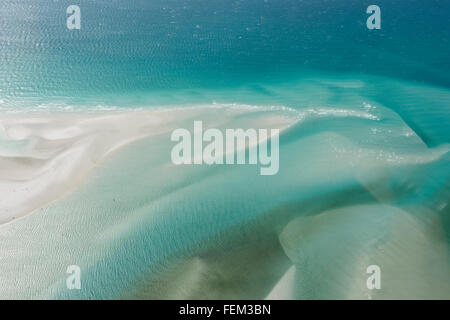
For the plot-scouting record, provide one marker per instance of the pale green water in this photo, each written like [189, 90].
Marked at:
[351, 191]
[231, 233]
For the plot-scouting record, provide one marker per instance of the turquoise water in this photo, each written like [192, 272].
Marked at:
[143, 53]
[351, 191]
[344, 198]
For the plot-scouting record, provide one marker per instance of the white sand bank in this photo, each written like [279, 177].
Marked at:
[43, 156]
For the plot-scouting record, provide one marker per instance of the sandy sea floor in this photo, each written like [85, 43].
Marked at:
[99, 191]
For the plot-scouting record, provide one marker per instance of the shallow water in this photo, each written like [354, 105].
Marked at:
[364, 172]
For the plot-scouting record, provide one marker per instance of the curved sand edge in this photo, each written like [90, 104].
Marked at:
[43, 156]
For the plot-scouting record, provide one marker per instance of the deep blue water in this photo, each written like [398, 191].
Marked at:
[163, 52]
[146, 46]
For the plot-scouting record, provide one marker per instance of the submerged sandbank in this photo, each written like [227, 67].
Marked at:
[44, 155]
[354, 189]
